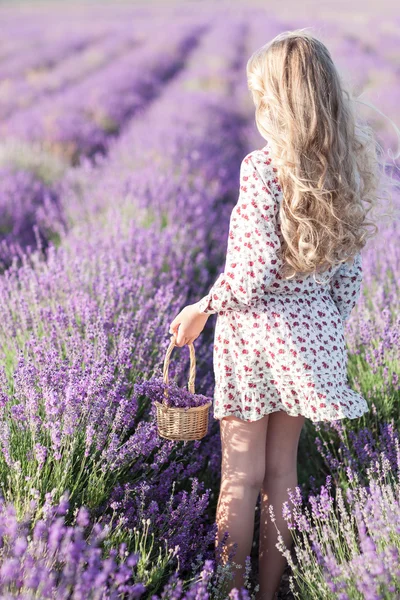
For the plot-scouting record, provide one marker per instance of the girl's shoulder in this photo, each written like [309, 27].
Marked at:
[260, 159]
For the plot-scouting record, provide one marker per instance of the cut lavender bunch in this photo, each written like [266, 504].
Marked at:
[178, 397]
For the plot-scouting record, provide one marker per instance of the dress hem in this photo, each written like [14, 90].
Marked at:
[315, 418]
[312, 418]
[328, 397]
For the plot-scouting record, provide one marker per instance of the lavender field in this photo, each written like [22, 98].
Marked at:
[122, 129]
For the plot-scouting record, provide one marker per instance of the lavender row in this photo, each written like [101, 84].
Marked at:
[16, 157]
[86, 566]
[47, 50]
[21, 91]
[35, 39]
[32, 199]
[373, 77]
[126, 174]
[80, 119]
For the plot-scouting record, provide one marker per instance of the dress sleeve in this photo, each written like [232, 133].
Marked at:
[345, 286]
[253, 241]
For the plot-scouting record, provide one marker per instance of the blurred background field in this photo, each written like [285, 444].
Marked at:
[122, 129]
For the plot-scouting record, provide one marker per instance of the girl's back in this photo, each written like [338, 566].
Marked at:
[279, 343]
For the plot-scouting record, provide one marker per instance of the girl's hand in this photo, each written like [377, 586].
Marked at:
[188, 325]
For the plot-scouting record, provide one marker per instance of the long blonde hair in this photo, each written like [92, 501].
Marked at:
[327, 159]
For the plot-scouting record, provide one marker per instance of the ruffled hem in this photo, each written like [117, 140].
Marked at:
[328, 397]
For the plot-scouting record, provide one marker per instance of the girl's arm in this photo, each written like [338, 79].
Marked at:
[253, 241]
[345, 286]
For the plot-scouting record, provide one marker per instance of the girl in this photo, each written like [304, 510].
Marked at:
[292, 276]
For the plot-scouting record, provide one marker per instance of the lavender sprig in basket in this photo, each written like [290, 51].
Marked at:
[181, 414]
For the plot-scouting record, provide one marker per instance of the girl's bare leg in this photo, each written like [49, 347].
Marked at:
[280, 474]
[242, 474]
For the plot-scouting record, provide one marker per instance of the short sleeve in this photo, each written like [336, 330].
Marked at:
[345, 286]
[253, 241]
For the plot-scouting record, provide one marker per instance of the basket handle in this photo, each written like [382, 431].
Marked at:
[192, 373]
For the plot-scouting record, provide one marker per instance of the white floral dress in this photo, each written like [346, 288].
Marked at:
[278, 344]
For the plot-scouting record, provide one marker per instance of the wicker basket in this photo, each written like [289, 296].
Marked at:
[181, 424]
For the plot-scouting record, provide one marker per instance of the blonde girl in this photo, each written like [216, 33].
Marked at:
[292, 276]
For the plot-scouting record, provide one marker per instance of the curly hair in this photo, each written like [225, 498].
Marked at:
[327, 158]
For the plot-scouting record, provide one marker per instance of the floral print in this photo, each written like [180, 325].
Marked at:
[278, 344]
